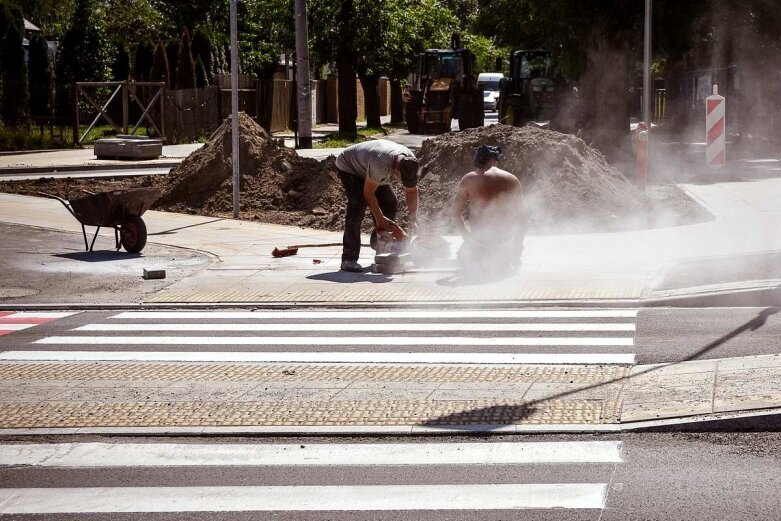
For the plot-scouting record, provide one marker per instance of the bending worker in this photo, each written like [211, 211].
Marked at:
[496, 226]
[366, 170]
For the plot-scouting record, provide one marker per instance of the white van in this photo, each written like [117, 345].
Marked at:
[489, 82]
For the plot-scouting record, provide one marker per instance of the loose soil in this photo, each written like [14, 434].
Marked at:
[569, 187]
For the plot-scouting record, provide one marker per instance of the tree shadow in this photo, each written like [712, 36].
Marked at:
[172, 230]
[509, 414]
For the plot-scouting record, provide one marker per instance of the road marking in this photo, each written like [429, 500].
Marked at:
[11, 322]
[400, 314]
[323, 357]
[14, 326]
[231, 455]
[335, 341]
[360, 327]
[300, 498]
[32, 315]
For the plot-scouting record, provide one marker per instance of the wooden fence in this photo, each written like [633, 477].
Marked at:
[192, 114]
[195, 113]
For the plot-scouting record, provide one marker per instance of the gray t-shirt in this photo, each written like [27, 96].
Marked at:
[372, 158]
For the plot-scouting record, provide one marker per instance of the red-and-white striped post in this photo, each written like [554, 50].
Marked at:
[715, 130]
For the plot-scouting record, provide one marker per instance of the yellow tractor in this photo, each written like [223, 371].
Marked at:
[445, 87]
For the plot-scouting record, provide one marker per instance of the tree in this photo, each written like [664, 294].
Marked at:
[185, 66]
[83, 54]
[40, 79]
[172, 53]
[266, 30]
[202, 49]
[213, 14]
[51, 16]
[120, 67]
[398, 31]
[160, 69]
[130, 22]
[142, 60]
[201, 78]
[14, 77]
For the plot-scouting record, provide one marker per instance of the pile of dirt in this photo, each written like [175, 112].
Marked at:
[276, 186]
[568, 185]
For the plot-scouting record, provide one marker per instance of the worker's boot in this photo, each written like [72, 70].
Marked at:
[351, 266]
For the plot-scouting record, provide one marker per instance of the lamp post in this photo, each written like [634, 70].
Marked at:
[235, 106]
[304, 122]
[647, 87]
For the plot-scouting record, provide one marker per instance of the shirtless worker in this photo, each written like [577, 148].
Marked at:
[365, 171]
[496, 225]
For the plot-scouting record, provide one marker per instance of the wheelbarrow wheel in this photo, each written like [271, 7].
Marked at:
[132, 235]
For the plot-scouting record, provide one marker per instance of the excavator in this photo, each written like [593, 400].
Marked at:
[534, 94]
[445, 87]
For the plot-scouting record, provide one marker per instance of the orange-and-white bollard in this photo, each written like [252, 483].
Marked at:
[641, 155]
[715, 130]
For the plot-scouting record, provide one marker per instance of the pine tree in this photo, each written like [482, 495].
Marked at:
[84, 54]
[202, 48]
[171, 52]
[41, 78]
[160, 65]
[201, 79]
[15, 96]
[185, 66]
[142, 61]
[120, 67]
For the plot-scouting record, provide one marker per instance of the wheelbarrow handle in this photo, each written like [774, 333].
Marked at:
[65, 203]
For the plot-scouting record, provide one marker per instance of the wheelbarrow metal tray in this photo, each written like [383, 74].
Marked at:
[113, 208]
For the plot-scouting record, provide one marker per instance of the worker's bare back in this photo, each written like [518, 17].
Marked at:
[494, 191]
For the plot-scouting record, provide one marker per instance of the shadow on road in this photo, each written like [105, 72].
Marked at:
[507, 414]
[172, 230]
[348, 277]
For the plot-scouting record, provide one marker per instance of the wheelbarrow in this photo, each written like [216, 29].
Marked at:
[120, 209]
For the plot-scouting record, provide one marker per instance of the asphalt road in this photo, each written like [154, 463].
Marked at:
[38, 265]
[607, 478]
[662, 334]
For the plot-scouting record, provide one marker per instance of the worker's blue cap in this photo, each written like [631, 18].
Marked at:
[486, 152]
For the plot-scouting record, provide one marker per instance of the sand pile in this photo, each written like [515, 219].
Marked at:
[276, 185]
[568, 185]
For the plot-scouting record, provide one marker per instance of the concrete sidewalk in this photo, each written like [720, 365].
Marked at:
[52, 397]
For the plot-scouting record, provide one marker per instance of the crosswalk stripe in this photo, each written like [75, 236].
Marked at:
[15, 326]
[12, 321]
[337, 341]
[301, 498]
[324, 357]
[552, 327]
[367, 314]
[32, 315]
[228, 455]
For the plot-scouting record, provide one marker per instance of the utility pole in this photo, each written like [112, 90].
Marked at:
[647, 87]
[235, 106]
[302, 79]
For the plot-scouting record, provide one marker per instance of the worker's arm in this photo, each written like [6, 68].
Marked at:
[459, 205]
[411, 195]
[369, 189]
